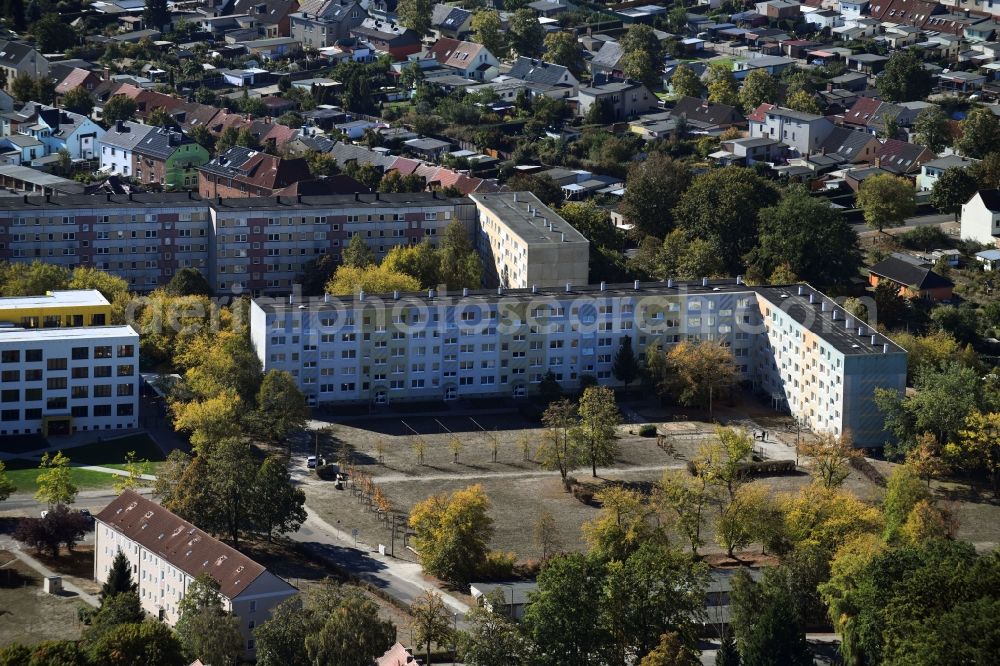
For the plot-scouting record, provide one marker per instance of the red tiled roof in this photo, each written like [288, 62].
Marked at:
[759, 113]
[863, 111]
[405, 166]
[74, 79]
[180, 543]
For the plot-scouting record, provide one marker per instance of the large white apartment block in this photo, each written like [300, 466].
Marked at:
[61, 380]
[256, 245]
[793, 344]
[523, 242]
[167, 553]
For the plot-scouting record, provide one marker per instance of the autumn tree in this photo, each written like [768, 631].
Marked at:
[546, 536]
[722, 84]
[7, 486]
[431, 621]
[559, 450]
[596, 429]
[622, 525]
[562, 48]
[830, 458]
[978, 446]
[980, 134]
[698, 371]
[745, 518]
[348, 280]
[452, 533]
[686, 83]
[671, 651]
[886, 200]
[684, 498]
[927, 459]
[802, 101]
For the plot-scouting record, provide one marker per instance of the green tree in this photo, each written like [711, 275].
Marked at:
[202, 136]
[111, 286]
[23, 87]
[642, 59]
[904, 78]
[559, 450]
[156, 14]
[358, 254]
[980, 134]
[78, 100]
[420, 261]
[741, 518]
[543, 187]
[55, 485]
[431, 621]
[727, 654]
[281, 407]
[491, 639]
[802, 101]
[653, 591]
[452, 533]
[622, 526]
[563, 49]
[722, 84]
[722, 207]
[278, 507]
[232, 469]
[564, 619]
[205, 630]
[525, 33]
[135, 470]
[684, 498]
[459, 263]
[952, 189]
[7, 486]
[34, 279]
[886, 200]
[52, 35]
[119, 578]
[932, 129]
[671, 651]
[188, 282]
[685, 82]
[119, 107]
[809, 236]
[773, 634]
[987, 171]
[653, 189]
[348, 280]
[487, 29]
[698, 372]
[625, 366]
[903, 491]
[116, 609]
[758, 87]
[978, 446]
[131, 644]
[415, 15]
[596, 430]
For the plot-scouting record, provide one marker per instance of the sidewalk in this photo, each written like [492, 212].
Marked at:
[45, 572]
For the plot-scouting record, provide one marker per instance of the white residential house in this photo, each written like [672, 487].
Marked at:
[117, 144]
[801, 132]
[167, 553]
[851, 9]
[59, 129]
[981, 218]
[824, 18]
[932, 170]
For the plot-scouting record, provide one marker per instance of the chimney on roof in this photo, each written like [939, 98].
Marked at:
[119, 125]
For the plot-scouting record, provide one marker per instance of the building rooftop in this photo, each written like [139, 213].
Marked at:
[76, 297]
[534, 222]
[82, 333]
[180, 543]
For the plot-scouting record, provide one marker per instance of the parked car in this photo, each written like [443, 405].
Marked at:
[87, 515]
[311, 462]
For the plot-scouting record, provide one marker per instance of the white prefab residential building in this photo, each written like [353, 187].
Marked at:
[523, 242]
[167, 553]
[790, 343]
[59, 380]
[802, 132]
[981, 218]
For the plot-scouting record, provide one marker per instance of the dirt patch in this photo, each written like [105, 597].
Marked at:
[28, 615]
[77, 566]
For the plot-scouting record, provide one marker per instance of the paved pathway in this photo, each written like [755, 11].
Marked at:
[402, 580]
[458, 476]
[9, 544]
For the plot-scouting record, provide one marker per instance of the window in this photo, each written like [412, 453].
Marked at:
[10, 356]
[102, 390]
[78, 392]
[102, 410]
[126, 351]
[33, 355]
[80, 373]
[10, 395]
[10, 415]
[124, 409]
[10, 376]
[126, 370]
[102, 371]
[80, 353]
[102, 352]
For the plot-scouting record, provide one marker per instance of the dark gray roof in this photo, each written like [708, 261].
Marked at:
[13, 53]
[905, 273]
[846, 142]
[161, 143]
[537, 71]
[991, 199]
[607, 56]
[126, 138]
[448, 17]
[696, 109]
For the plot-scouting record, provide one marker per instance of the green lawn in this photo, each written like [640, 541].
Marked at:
[24, 473]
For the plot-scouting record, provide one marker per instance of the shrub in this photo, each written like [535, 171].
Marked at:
[647, 430]
[583, 493]
[327, 472]
[498, 566]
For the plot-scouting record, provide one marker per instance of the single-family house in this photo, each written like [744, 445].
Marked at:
[606, 63]
[981, 218]
[901, 157]
[622, 100]
[59, 129]
[19, 149]
[909, 12]
[242, 172]
[20, 58]
[117, 144]
[539, 71]
[427, 147]
[913, 280]
[747, 151]
[320, 23]
[169, 158]
[706, 117]
[931, 170]
[451, 21]
[773, 65]
[387, 37]
[778, 9]
[868, 63]
[272, 16]
[824, 19]
[850, 9]
[851, 145]
[802, 132]
[468, 59]
[273, 48]
[990, 259]
[78, 78]
[515, 597]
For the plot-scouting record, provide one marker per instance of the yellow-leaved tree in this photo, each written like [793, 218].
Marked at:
[349, 280]
[452, 533]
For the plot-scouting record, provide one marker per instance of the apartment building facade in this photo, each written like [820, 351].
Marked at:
[256, 244]
[55, 381]
[523, 242]
[167, 553]
[56, 309]
[791, 343]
